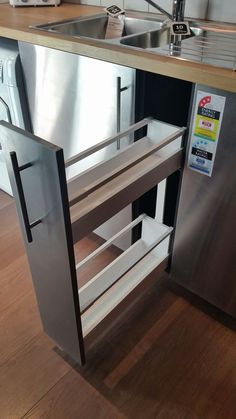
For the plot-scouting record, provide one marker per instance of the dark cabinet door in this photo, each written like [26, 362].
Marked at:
[37, 175]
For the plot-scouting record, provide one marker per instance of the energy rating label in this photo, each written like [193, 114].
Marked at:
[207, 120]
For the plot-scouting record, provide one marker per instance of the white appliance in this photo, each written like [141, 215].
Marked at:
[34, 2]
[13, 107]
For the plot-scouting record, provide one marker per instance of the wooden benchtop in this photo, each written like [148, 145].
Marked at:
[14, 24]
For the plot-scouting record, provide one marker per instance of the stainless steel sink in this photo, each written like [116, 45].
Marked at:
[95, 26]
[209, 43]
[156, 38]
[214, 45]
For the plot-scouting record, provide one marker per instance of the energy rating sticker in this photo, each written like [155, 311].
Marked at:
[208, 113]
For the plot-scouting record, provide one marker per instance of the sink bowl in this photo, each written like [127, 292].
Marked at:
[155, 38]
[95, 26]
[208, 43]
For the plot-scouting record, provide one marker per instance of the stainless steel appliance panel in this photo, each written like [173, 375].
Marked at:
[73, 99]
[204, 254]
[76, 102]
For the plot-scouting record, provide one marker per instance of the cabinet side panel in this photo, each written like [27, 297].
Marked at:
[205, 242]
[50, 254]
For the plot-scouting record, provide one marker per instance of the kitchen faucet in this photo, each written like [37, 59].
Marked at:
[176, 16]
[177, 10]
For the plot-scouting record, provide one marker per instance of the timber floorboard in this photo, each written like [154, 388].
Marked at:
[170, 356]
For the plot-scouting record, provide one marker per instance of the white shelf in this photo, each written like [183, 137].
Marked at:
[110, 286]
[100, 192]
[120, 290]
[159, 136]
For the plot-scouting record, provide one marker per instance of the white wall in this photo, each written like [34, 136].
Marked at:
[224, 10]
[193, 8]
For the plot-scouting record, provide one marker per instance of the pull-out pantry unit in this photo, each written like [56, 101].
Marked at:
[55, 214]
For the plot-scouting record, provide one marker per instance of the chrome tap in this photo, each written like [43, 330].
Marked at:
[177, 10]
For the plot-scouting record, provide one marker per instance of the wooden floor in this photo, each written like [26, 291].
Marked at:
[173, 356]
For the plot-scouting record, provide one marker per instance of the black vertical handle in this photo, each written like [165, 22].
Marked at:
[119, 90]
[17, 169]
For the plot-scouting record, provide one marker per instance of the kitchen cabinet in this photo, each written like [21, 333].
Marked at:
[205, 245]
[165, 98]
[55, 213]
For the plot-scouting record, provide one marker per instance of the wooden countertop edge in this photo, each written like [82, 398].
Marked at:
[169, 66]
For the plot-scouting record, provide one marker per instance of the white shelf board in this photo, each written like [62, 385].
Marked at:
[111, 197]
[152, 235]
[121, 289]
[161, 135]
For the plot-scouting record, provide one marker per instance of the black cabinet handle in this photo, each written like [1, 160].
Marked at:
[17, 169]
[119, 90]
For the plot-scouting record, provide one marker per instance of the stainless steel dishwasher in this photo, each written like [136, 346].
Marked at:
[76, 102]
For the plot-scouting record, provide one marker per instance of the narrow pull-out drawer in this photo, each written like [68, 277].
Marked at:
[55, 213]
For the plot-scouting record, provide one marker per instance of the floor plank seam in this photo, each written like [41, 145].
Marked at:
[45, 394]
